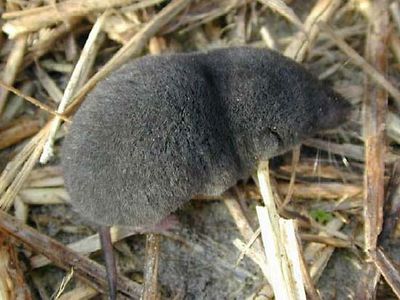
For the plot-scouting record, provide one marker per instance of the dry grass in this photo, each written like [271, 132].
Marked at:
[340, 188]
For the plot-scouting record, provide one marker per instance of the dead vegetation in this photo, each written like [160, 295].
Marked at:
[340, 190]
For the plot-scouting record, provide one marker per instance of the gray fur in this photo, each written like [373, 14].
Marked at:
[162, 129]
